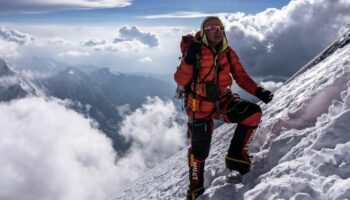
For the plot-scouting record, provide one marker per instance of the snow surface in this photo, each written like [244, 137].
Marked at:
[301, 149]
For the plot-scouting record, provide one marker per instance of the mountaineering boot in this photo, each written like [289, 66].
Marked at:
[194, 194]
[236, 164]
[237, 157]
[196, 169]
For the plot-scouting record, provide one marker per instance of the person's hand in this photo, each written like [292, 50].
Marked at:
[264, 95]
[192, 51]
[180, 92]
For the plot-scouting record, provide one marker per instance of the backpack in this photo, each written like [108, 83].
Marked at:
[185, 43]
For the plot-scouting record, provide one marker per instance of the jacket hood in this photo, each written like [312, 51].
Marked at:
[204, 38]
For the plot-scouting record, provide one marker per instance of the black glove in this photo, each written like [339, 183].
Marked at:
[192, 51]
[264, 95]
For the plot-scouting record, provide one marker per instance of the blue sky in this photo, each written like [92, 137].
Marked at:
[271, 37]
[138, 8]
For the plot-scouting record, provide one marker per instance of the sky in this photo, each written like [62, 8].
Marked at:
[134, 12]
[271, 37]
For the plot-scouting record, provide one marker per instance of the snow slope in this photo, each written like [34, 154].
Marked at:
[301, 149]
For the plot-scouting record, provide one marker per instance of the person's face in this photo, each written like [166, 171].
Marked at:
[214, 32]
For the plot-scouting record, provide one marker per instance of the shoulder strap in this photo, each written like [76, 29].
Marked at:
[195, 68]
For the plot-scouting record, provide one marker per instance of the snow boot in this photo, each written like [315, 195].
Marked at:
[237, 157]
[192, 195]
[196, 175]
[240, 165]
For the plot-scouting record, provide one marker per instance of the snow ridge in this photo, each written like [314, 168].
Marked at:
[301, 149]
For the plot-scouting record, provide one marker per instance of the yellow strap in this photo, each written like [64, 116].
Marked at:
[193, 105]
[240, 161]
[193, 194]
[192, 160]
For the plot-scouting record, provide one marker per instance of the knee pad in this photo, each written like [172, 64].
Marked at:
[200, 135]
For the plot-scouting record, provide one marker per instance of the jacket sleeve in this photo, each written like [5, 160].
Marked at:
[240, 75]
[183, 74]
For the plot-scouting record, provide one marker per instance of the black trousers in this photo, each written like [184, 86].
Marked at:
[248, 117]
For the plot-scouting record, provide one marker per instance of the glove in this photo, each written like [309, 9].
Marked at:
[192, 51]
[180, 92]
[264, 95]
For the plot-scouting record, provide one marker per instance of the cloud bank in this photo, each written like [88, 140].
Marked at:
[129, 39]
[52, 5]
[73, 53]
[133, 33]
[280, 41]
[155, 133]
[8, 49]
[15, 36]
[93, 42]
[146, 60]
[50, 152]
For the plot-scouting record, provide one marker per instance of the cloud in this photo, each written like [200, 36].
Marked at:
[125, 46]
[123, 110]
[182, 14]
[280, 41]
[13, 35]
[21, 38]
[44, 5]
[130, 39]
[8, 49]
[271, 85]
[133, 33]
[146, 60]
[50, 152]
[32, 75]
[7, 81]
[74, 54]
[59, 41]
[155, 134]
[94, 42]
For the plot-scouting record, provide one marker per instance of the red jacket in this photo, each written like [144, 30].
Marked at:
[183, 76]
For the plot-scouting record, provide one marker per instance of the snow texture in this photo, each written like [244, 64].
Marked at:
[301, 148]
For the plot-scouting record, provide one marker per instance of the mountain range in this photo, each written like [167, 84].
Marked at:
[97, 93]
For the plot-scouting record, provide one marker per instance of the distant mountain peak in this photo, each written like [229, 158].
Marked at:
[5, 69]
[14, 85]
[73, 71]
[105, 71]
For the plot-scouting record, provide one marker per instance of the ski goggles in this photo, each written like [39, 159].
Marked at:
[213, 28]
